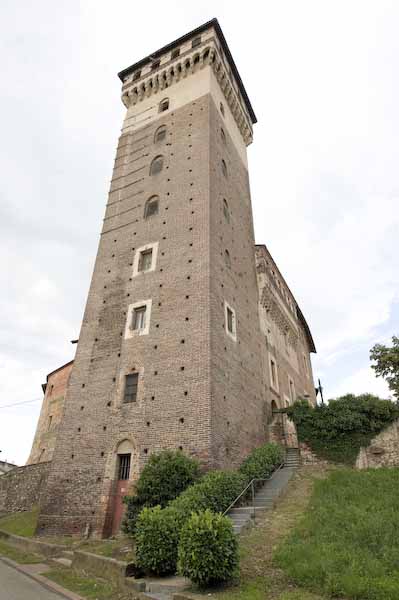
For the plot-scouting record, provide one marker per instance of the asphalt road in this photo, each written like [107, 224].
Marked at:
[17, 586]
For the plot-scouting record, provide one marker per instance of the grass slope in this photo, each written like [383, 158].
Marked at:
[347, 543]
[20, 523]
[23, 558]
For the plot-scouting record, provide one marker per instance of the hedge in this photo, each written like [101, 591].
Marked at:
[262, 461]
[336, 431]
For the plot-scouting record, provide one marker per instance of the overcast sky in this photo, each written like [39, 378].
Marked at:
[322, 76]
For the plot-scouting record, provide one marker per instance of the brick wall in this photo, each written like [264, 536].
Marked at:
[22, 488]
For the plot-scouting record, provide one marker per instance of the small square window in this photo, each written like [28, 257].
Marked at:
[145, 260]
[136, 75]
[139, 318]
[175, 53]
[196, 42]
[155, 64]
[163, 105]
[131, 382]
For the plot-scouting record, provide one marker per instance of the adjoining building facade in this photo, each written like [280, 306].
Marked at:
[187, 340]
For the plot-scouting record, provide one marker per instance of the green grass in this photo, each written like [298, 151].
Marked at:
[21, 523]
[23, 558]
[347, 543]
[120, 548]
[88, 587]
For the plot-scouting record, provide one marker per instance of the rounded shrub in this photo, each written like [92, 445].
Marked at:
[262, 462]
[208, 549]
[163, 478]
[157, 537]
[166, 475]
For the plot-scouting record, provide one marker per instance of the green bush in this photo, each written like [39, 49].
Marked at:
[262, 461]
[337, 430]
[163, 478]
[216, 491]
[156, 541]
[208, 549]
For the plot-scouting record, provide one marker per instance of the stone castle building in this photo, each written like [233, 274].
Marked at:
[190, 337]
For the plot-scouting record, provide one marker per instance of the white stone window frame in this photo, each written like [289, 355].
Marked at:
[136, 262]
[129, 331]
[275, 388]
[287, 401]
[290, 380]
[232, 334]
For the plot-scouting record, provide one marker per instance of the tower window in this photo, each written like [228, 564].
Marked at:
[196, 42]
[156, 165]
[223, 135]
[160, 134]
[230, 321]
[273, 374]
[136, 75]
[175, 53]
[226, 211]
[227, 259]
[224, 168]
[222, 109]
[163, 105]
[50, 420]
[131, 383]
[151, 207]
[124, 467]
[145, 260]
[291, 388]
[139, 318]
[155, 64]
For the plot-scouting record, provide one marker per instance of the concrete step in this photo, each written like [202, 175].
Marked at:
[67, 554]
[64, 562]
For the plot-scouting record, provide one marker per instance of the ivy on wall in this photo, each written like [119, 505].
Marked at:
[336, 431]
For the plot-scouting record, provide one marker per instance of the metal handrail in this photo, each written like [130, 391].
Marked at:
[251, 484]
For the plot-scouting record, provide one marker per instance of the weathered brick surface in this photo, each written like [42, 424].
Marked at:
[50, 415]
[22, 488]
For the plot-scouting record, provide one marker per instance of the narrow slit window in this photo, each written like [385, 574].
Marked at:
[230, 320]
[222, 109]
[131, 383]
[139, 318]
[223, 135]
[273, 374]
[151, 207]
[227, 259]
[226, 210]
[224, 168]
[124, 467]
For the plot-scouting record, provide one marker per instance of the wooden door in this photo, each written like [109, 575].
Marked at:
[121, 490]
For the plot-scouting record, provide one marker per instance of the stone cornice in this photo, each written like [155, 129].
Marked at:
[188, 64]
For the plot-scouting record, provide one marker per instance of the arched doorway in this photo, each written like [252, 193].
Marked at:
[123, 469]
[276, 426]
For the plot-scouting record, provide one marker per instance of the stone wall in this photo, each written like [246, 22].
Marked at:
[21, 488]
[383, 450]
[309, 458]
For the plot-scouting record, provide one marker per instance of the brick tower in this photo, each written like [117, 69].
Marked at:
[169, 353]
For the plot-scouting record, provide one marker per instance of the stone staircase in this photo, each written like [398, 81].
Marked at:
[266, 497]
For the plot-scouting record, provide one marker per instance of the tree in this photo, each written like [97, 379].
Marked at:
[386, 365]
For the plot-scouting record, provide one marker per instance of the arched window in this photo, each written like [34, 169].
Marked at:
[160, 134]
[222, 109]
[226, 210]
[223, 135]
[156, 165]
[227, 259]
[151, 207]
[163, 105]
[224, 168]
